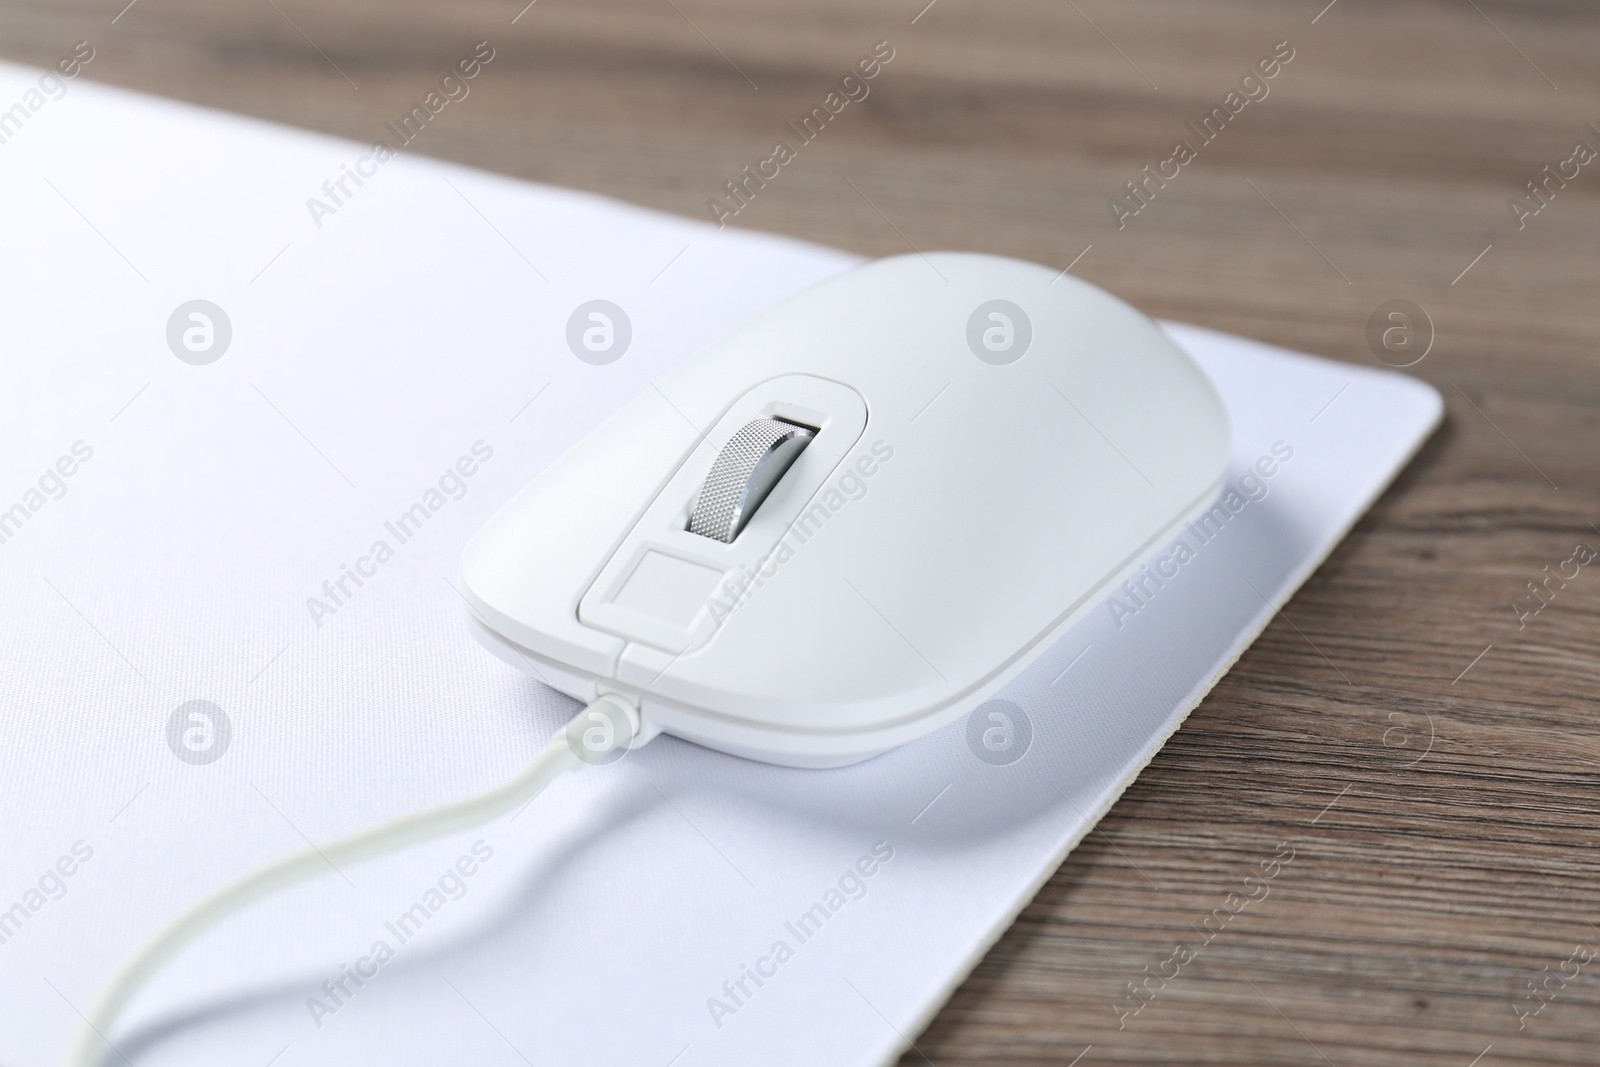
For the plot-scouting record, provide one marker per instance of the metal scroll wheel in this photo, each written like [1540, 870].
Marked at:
[745, 471]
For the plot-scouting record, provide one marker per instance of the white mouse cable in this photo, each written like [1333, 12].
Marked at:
[603, 724]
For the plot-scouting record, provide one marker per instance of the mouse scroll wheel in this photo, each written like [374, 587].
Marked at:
[745, 471]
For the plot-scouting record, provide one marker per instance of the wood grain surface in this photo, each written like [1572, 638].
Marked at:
[1442, 819]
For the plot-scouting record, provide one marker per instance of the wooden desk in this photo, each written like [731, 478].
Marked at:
[1442, 818]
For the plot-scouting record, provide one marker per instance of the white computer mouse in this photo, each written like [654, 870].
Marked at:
[851, 521]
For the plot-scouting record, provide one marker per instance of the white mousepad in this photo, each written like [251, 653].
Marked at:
[209, 661]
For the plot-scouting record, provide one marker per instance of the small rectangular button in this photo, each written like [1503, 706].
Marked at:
[667, 588]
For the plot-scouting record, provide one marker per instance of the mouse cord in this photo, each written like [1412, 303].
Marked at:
[598, 729]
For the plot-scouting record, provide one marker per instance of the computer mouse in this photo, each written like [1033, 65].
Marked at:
[855, 518]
